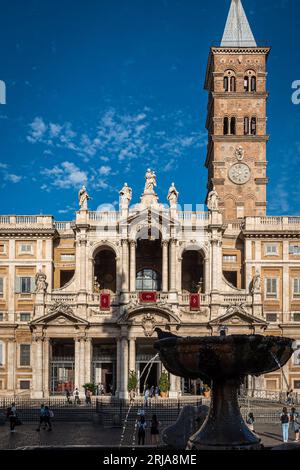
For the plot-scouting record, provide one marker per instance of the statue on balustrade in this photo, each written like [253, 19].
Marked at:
[126, 195]
[150, 181]
[83, 198]
[40, 282]
[256, 283]
[213, 200]
[96, 286]
[173, 195]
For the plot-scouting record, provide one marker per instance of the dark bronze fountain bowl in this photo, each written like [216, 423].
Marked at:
[224, 361]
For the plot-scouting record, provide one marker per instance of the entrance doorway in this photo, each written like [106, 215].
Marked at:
[104, 373]
[62, 366]
[150, 375]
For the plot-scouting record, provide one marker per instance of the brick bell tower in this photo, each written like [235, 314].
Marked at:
[236, 119]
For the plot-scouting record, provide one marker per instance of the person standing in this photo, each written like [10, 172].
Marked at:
[250, 421]
[12, 416]
[68, 395]
[294, 419]
[154, 430]
[76, 396]
[146, 396]
[284, 418]
[88, 397]
[141, 430]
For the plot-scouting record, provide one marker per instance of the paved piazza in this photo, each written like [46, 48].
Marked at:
[65, 434]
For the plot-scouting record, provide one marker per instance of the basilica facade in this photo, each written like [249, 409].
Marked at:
[80, 300]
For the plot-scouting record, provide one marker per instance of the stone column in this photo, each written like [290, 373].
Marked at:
[77, 363]
[11, 282]
[82, 366]
[82, 244]
[132, 265]
[216, 265]
[165, 262]
[124, 368]
[173, 393]
[119, 275]
[118, 367]
[46, 366]
[285, 283]
[132, 357]
[11, 365]
[37, 366]
[206, 279]
[173, 265]
[88, 360]
[125, 266]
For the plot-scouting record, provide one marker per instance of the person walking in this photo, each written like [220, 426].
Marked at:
[141, 430]
[250, 421]
[42, 418]
[12, 416]
[151, 393]
[284, 418]
[48, 415]
[68, 396]
[156, 392]
[294, 419]
[154, 430]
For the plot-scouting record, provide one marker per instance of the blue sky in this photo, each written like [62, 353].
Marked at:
[98, 90]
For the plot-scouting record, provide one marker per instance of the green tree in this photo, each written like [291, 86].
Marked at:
[132, 381]
[91, 387]
[164, 383]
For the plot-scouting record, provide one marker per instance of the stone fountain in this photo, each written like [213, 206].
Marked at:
[225, 361]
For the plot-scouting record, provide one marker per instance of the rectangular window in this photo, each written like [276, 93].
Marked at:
[271, 288]
[24, 384]
[1, 316]
[2, 248]
[296, 355]
[26, 248]
[229, 258]
[24, 316]
[296, 317]
[294, 250]
[1, 286]
[271, 249]
[67, 257]
[296, 384]
[25, 355]
[296, 287]
[271, 317]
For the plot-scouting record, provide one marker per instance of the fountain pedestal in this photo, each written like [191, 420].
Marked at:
[224, 427]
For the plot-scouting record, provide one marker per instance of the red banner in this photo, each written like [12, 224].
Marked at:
[148, 297]
[104, 301]
[194, 301]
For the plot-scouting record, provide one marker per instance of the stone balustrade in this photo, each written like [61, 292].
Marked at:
[26, 221]
[272, 223]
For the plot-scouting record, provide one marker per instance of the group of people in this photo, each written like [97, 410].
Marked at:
[150, 393]
[154, 429]
[77, 401]
[45, 416]
[288, 419]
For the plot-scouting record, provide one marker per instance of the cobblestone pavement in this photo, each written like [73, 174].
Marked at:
[64, 434]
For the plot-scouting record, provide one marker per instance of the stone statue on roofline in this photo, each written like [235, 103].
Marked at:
[213, 200]
[83, 198]
[40, 282]
[150, 181]
[173, 195]
[125, 195]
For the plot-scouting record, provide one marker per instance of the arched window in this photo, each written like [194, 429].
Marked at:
[250, 126]
[250, 81]
[148, 279]
[233, 126]
[253, 126]
[226, 126]
[229, 81]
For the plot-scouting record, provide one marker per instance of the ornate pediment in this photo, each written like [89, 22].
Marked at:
[149, 317]
[237, 315]
[56, 318]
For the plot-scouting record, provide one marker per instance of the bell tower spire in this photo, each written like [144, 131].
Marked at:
[236, 119]
[237, 31]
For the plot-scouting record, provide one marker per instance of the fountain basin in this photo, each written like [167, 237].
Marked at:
[224, 361]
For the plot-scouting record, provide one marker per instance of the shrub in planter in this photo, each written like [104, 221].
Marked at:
[132, 381]
[91, 387]
[164, 384]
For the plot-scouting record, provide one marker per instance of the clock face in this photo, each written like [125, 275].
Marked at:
[239, 173]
